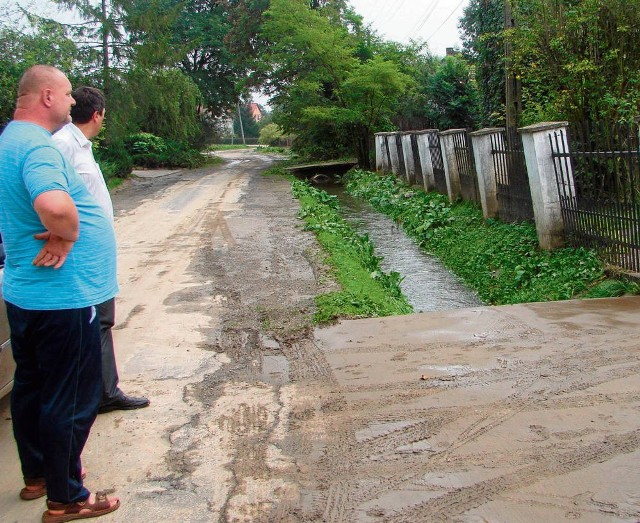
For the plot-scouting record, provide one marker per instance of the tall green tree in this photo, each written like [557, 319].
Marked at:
[100, 32]
[482, 32]
[322, 91]
[578, 59]
[201, 31]
[453, 96]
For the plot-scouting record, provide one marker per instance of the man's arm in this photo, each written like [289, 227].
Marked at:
[59, 215]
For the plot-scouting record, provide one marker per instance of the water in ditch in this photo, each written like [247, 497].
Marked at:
[427, 284]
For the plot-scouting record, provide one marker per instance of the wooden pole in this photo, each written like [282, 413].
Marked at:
[513, 97]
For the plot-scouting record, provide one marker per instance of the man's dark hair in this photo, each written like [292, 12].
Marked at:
[88, 101]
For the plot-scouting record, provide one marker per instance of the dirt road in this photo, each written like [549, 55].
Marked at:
[502, 414]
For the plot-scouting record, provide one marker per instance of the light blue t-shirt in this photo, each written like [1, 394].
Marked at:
[30, 165]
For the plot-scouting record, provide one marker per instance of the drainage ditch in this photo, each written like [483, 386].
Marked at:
[427, 283]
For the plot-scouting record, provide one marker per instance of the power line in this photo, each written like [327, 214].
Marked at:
[427, 14]
[446, 19]
[393, 12]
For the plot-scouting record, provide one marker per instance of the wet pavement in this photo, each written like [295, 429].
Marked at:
[484, 414]
[491, 414]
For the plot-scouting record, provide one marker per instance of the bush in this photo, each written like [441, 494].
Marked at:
[148, 150]
[272, 134]
[114, 159]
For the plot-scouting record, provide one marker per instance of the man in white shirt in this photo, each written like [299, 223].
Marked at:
[74, 140]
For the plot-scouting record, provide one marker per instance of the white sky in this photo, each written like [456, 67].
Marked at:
[433, 21]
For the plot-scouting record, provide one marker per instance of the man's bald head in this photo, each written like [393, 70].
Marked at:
[44, 97]
[38, 77]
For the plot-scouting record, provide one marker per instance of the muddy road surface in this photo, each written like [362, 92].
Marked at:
[490, 414]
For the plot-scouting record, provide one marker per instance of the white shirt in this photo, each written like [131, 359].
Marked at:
[77, 149]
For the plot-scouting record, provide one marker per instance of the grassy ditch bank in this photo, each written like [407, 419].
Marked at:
[501, 262]
[366, 291]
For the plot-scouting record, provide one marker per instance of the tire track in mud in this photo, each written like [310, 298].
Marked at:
[551, 386]
[450, 505]
[261, 416]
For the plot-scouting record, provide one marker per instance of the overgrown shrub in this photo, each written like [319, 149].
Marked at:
[114, 159]
[148, 150]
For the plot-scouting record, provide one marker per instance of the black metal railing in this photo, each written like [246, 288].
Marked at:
[402, 170]
[437, 163]
[418, 177]
[598, 175]
[512, 182]
[466, 167]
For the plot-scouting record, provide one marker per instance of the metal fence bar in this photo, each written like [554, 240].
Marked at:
[437, 163]
[604, 211]
[466, 167]
[512, 181]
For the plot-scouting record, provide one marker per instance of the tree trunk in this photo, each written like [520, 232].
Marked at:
[105, 49]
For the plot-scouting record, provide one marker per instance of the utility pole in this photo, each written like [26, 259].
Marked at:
[241, 126]
[513, 95]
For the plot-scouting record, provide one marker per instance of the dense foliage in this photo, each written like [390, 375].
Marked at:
[578, 59]
[325, 91]
[176, 68]
[502, 262]
[482, 33]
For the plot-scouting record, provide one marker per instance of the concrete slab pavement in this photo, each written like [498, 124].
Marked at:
[496, 414]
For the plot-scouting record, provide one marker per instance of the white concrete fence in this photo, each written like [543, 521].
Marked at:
[411, 155]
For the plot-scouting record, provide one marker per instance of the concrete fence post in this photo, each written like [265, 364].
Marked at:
[380, 152]
[451, 173]
[542, 181]
[393, 153]
[424, 153]
[386, 159]
[402, 169]
[485, 168]
[409, 161]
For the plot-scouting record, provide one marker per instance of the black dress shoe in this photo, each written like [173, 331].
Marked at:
[123, 402]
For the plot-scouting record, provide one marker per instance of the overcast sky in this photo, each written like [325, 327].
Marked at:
[433, 21]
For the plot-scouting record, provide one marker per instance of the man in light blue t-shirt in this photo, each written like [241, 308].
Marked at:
[60, 263]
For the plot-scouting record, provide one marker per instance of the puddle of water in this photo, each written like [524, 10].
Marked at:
[275, 369]
[427, 284]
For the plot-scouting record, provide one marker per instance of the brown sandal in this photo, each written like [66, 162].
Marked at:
[34, 488]
[61, 512]
[37, 487]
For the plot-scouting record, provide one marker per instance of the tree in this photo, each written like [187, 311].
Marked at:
[46, 43]
[168, 107]
[482, 31]
[578, 59]
[453, 97]
[101, 32]
[322, 92]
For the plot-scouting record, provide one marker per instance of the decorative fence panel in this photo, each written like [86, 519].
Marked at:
[599, 187]
[402, 170]
[466, 167]
[437, 163]
[512, 181]
[419, 176]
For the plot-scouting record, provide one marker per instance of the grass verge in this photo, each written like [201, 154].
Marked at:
[501, 262]
[366, 291]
